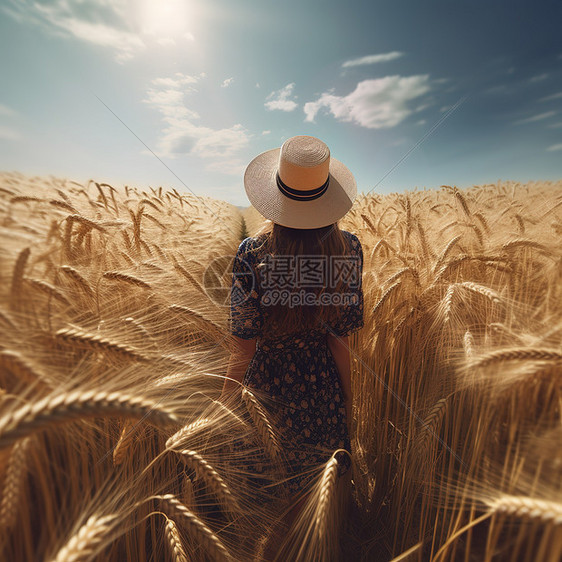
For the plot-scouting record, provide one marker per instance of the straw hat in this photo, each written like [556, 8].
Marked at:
[299, 185]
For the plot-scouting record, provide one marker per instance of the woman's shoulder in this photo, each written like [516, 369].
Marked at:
[250, 243]
[352, 239]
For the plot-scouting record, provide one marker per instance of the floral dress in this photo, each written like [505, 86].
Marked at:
[295, 376]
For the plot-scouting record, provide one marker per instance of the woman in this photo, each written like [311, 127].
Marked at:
[296, 297]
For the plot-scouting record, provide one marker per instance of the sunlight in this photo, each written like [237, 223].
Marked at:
[166, 18]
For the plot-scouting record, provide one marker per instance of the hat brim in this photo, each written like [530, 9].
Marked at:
[262, 191]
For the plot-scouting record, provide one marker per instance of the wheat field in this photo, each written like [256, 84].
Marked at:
[114, 341]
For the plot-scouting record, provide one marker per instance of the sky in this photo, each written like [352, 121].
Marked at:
[185, 93]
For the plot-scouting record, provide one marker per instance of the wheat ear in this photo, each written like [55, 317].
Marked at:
[77, 278]
[48, 289]
[215, 548]
[13, 362]
[263, 425]
[517, 354]
[84, 545]
[192, 281]
[385, 296]
[443, 256]
[63, 205]
[19, 269]
[65, 407]
[13, 483]
[468, 343]
[86, 222]
[97, 342]
[211, 477]
[461, 199]
[326, 496]
[125, 440]
[482, 290]
[177, 439]
[174, 541]
[523, 507]
[431, 423]
[130, 279]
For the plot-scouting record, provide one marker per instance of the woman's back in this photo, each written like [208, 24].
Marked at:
[268, 288]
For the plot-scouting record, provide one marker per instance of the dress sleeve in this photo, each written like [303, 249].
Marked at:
[246, 318]
[351, 319]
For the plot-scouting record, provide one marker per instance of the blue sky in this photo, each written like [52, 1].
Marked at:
[184, 93]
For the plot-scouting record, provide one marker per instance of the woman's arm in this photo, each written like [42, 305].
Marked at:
[339, 346]
[240, 358]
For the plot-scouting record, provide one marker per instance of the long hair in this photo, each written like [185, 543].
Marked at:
[294, 251]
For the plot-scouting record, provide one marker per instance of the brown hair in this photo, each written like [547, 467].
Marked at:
[277, 240]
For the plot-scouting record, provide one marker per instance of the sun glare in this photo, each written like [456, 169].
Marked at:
[166, 18]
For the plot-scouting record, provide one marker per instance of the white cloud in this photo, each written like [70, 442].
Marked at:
[375, 104]
[179, 79]
[267, 132]
[556, 96]
[226, 83]
[281, 99]
[555, 125]
[373, 59]
[124, 26]
[182, 135]
[555, 147]
[539, 77]
[98, 23]
[534, 118]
